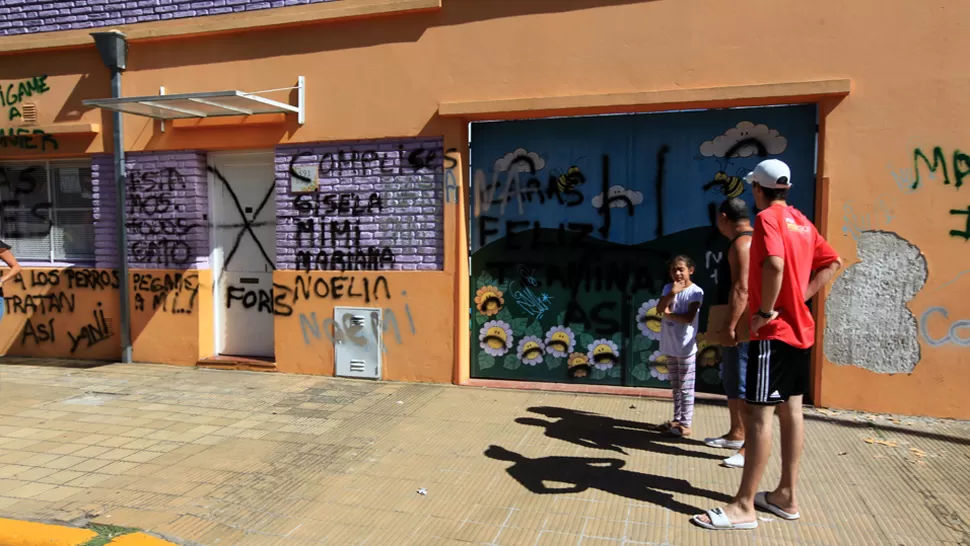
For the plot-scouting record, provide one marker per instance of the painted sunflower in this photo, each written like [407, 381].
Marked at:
[648, 319]
[495, 337]
[578, 365]
[530, 350]
[560, 341]
[489, 300]
[603, 353]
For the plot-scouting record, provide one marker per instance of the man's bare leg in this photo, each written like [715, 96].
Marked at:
[736, 432]
[757, 443]
[792, 440]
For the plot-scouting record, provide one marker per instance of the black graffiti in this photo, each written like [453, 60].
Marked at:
[608, 200]
[451, 181]
[370, 162]
[337, 287]
[337, 244]
[247, 223]
[92, 278]
[28, 304]
[369, 258]
[250, 298]
[95, 279]
[661, 162]
[151, 192]
[12, 208]
[41, 332]
[168, 292]
[338, 204]
[176, 227]
[569, 235]
[562, 187]
[26, 139]
[281, 299]
[345, 233]
[752, 141]
[158, 240]
[167, 252]
[604, 318]
[93, 333]
[590, 273]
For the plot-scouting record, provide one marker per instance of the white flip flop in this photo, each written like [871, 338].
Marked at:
[761, 501]
[734, 461]
[720, 522]
[724, 444]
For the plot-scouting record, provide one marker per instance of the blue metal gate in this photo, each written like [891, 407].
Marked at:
[573, 220]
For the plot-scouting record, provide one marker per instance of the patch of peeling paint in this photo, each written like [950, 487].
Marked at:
[867, 321]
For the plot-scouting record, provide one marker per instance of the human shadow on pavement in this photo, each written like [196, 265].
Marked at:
[600, 432]
[604, 474]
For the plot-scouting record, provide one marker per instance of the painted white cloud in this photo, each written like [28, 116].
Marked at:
[503, 164]
[635, 197]
[773, 142]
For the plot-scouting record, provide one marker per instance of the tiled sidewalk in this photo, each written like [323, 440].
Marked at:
[260, 459]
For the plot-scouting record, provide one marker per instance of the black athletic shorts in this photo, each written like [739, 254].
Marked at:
[776, 372]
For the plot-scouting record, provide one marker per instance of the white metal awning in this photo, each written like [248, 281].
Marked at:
[207, 104]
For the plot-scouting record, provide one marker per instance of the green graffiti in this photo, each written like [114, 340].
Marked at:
[14, 93]
[26, 139]
[966, 232]
[961, 165]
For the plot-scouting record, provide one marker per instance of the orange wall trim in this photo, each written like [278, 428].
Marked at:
[667, 99]
[345, 9]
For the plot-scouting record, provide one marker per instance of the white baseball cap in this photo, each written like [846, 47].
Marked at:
[770, 173]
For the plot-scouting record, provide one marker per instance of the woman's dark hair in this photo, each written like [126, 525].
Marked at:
[681, 258]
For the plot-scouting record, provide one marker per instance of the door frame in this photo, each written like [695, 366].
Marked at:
[216, 254]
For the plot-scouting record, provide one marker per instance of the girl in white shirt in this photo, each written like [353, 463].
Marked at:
[679, 306]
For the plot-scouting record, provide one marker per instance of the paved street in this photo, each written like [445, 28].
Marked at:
[212, 457]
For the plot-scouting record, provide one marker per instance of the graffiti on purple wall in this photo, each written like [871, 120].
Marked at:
[371, 206]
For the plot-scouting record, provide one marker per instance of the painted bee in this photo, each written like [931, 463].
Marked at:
[570, 179]
[731, 186]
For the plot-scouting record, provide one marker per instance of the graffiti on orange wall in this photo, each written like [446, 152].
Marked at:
[340, 290]
[174, 293]
[282, 298]
[62, 306]
[13, 96]
[959, 166]
[892, 271]
[72, 311]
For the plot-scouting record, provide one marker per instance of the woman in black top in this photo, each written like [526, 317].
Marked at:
[7, 256]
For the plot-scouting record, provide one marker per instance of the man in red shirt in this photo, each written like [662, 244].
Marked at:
[790, 262]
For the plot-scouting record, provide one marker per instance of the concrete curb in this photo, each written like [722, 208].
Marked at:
[27, 533]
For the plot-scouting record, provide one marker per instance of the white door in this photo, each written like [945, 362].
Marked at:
[243, 192]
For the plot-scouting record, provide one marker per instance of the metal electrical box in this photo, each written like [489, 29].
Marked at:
[357, 342]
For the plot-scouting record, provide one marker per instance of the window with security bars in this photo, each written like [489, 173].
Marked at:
[46, 211]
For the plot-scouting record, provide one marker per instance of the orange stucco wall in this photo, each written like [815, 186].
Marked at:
[417, 314]
[386, 77]
[74, 313]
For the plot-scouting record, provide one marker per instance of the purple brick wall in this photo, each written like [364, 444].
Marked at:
[167, 210]
[28, 16]
[379, 206]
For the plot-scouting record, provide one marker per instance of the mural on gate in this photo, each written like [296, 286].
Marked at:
[575, 219]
